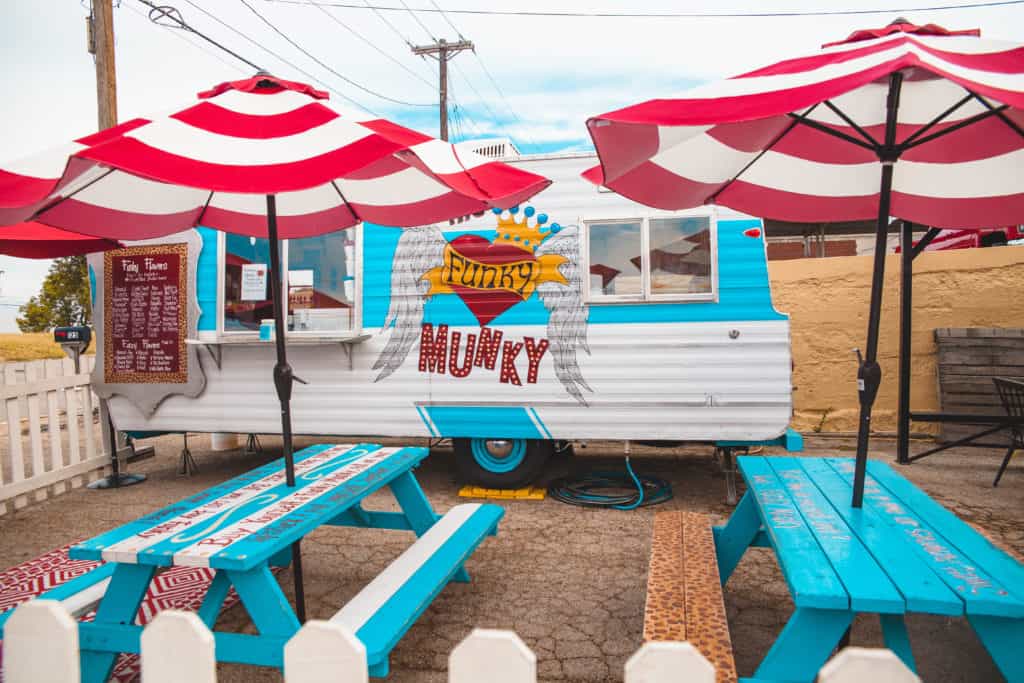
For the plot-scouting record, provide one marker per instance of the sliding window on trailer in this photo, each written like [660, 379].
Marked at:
[320, 278]
[653, 258]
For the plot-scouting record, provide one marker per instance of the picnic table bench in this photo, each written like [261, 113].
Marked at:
[901, 552]
[242, 527]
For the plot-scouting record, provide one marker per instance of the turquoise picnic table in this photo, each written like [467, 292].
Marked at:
[244, 526]
[901, 552]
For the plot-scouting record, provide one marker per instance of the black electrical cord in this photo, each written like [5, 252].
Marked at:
[618, 490]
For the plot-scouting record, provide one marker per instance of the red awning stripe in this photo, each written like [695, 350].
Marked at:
[141, 159]
[294, 227]
[114, 224]
[212, 118]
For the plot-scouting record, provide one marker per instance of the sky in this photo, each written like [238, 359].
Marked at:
[534, 79]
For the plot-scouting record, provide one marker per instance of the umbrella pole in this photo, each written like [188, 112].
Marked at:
[906, 313]
[283, 380]
[869, 375]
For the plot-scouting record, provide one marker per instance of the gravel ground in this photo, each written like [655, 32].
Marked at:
[569, 580]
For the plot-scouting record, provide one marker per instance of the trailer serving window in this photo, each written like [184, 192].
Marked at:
[319, 280]
[665, 258]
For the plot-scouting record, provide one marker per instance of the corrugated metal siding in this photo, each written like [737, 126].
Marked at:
[657, 371]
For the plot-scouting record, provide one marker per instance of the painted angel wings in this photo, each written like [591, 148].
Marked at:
[567, 322]
[418, 250]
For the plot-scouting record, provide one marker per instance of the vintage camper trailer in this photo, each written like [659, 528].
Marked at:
[584, 316]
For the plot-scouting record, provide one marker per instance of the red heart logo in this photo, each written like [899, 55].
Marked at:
[488, 304]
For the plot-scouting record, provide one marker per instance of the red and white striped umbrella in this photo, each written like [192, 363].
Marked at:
[910, 121]
[261, 157]
[801, 140]
[212, 163]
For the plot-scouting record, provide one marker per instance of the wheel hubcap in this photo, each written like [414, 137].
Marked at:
[498, 448]
[499, 455]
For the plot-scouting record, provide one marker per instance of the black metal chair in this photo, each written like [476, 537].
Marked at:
[1011, 393]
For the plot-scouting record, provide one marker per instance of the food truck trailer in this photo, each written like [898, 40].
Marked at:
[584, 316]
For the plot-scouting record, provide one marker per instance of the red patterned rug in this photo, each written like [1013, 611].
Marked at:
[175, 588]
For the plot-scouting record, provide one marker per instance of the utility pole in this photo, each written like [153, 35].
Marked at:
[101, 45]
[442, 51]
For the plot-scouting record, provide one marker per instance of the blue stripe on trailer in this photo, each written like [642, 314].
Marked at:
[257, 548]
[161, 552]
[92, 549]
[540, 422]
[206, 280]
[965, 575]
[498, 422]
[791, 440]
[922, 590]
[812, 581]
[869, 588]
[426, 420]
[382, 613]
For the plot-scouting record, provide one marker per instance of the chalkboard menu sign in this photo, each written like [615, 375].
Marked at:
[145, 315]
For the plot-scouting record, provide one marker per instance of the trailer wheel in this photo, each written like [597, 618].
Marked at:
[500, 463]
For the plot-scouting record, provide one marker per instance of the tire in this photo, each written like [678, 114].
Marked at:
[500, 463]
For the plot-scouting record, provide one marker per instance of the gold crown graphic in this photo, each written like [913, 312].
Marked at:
[521, 234]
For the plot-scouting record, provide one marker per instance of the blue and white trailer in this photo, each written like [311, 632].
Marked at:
[583, 317]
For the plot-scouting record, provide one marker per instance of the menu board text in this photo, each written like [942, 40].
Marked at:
[145, 315]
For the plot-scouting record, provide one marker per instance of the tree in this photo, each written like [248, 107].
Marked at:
[63, 300]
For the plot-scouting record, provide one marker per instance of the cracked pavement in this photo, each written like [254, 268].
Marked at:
[570, 581]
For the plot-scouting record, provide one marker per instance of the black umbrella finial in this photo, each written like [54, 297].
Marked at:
[267, 79]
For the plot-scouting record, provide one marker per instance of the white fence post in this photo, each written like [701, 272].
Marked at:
[177, 646]
[325, 652]
[661, 662]
[856, 664]
[493, 656]
[41, 644]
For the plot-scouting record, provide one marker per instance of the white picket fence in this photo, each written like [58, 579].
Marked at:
[54, 441]
[41, 644]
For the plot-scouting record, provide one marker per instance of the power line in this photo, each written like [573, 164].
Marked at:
[184, 37]
[348, 80]
[461, 115]
[672, 15]
[370, 43]
[446, 18]
[504, 99]
[414, 16]
[389, 24]
[276, 56]
[476, 92]
[157, 14]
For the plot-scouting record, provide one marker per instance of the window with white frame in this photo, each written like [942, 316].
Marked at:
[669, 258]
[319, 280]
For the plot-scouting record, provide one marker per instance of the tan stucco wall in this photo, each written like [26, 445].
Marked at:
[827, 301]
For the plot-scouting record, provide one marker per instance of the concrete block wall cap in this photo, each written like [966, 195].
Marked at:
[979, 332]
